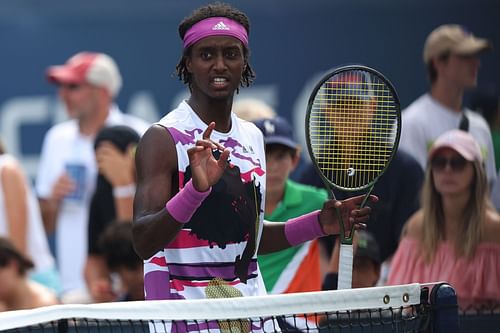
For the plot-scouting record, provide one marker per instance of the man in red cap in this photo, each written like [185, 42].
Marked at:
[87, 85]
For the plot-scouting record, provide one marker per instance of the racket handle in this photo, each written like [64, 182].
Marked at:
[345, 266]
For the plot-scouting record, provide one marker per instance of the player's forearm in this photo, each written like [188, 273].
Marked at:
[273, 238]
[295, 231]
[152, 232]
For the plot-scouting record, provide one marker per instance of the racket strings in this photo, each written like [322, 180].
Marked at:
[352, 128]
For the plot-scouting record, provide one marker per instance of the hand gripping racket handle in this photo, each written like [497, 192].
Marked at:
[345, 266]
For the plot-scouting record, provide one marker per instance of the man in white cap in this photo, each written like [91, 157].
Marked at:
[451, 55]
[87, 85]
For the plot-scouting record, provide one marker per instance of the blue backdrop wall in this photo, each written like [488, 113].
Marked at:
[292, 43]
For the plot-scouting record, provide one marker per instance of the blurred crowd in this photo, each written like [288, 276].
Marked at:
[68, 237]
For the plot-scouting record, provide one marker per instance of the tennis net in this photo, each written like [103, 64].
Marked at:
[405, 308]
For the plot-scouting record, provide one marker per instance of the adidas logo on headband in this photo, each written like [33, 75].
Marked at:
[220, 26]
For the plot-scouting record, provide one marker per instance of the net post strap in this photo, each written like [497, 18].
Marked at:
[345, 266]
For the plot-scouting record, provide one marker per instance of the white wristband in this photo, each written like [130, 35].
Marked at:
[125, 191]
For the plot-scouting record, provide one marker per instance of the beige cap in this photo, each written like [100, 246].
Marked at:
[460, 141]
[453, 38]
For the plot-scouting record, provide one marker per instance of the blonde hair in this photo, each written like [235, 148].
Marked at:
[470, 225]
[251, 109]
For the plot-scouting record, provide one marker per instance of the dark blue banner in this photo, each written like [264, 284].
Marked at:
[292, 43]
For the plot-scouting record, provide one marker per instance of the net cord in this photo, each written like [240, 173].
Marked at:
[224, 308]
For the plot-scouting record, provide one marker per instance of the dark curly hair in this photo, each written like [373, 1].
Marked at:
[116, 245]
[216, 9]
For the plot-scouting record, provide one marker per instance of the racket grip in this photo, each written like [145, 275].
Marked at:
[183, 205]
[345, 266]
[303, 228]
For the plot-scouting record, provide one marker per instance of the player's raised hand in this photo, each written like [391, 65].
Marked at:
[349, 212]
[205, 168]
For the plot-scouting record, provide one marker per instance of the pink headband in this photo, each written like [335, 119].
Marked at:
[215, 26]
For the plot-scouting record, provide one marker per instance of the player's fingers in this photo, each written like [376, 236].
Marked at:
[208, 131]
[223, 158]
[218, 146]
[191, 151]
[332, 204]
[206, 144]
[357, 200]
[359, 219]
[361, 212]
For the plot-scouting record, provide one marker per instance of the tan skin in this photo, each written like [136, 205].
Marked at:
[454, 76]
[216, 64]
[18, 292]
[16, 204]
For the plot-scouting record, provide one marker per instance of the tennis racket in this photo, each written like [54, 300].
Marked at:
[353, 125]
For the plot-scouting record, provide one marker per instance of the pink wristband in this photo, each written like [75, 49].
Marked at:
[303, 228]
[183, 205]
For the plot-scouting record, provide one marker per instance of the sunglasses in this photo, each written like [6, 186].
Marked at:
[456, 163]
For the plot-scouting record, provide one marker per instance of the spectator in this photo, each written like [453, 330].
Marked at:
[21, 222]
[451, 55]
[17, 291]
[296, 269]
[88, 84]
[251, 109]
[120, 258]
[112, 200]
[455, 236]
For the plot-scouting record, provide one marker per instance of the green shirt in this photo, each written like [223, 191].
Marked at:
[299, 199]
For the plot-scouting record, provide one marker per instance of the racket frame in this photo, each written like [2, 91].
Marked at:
[328, 183]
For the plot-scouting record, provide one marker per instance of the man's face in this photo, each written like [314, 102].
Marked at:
[216, 65]
[81, 100]
[280, 162]
[460, 71]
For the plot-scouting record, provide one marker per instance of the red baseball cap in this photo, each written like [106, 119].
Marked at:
[97, 69]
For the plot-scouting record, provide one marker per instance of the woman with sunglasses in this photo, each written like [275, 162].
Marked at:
[455, 236]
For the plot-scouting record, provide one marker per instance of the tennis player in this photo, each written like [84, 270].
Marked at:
[198, 210]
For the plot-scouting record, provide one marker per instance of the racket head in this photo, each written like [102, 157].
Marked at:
[353, 126]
